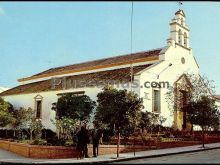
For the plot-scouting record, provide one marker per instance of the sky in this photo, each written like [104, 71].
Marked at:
[36, 36]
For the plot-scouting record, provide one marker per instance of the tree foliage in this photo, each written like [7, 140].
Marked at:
[203, 112]
[149, 121]
[20, 119]
[199, 86]
[26, 120]
[6, 116]
[74, 107]
[65, 127]
[118, 109]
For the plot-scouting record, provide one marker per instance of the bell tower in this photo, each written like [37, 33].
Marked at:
[179, 31]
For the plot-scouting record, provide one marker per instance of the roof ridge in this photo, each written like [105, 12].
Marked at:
[119, 74]
[103, 59]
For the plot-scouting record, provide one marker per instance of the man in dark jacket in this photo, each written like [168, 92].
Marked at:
[83, 140]
[96, 136]
[87, 140]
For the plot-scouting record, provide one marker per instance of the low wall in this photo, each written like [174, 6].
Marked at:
[161, 145]
[21, 149]
[4, 144]
[38, 151]
[56, 152]
[51, 152]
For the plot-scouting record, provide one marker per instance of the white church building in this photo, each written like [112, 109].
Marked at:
[166, 64]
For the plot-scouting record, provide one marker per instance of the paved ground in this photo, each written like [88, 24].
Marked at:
[8, 157]
[209, 156]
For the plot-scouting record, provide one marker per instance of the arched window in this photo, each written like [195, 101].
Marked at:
[179, 37]
[38, 106]
[185, 39]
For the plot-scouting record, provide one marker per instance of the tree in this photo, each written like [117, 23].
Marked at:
[147, 120]
[20, 119]
[26, 119]
[203, 112]
[196, 87]
[118, 109]
[74, 107]
[6, 116]
[65, 127]
[191, 89]
[20, 115]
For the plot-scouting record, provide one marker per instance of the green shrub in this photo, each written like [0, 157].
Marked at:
[39, 142]
[54, 141]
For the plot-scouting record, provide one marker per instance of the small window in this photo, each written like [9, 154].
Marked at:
[179, 37]
[181, 21]
[156, 101]
[185, 39]
[183, 60]
[39, 106]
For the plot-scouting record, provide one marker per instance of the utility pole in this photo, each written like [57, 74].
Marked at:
[203, 135]
[131, 46]
[131, 69]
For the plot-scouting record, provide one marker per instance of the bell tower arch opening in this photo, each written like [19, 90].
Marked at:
[179, 31]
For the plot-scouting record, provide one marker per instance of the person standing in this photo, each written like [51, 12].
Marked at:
[96, 136]
[75, 141]
[87, 140]
[83, 139]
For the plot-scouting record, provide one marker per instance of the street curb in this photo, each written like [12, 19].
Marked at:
[118, 160]
[153, 156]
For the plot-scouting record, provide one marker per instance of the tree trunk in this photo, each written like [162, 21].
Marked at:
[134, 145]
[118, 143]
[191, 131]
[31, 135]
[58, 133]
[203, 137]
[6, 134]
[44, 134]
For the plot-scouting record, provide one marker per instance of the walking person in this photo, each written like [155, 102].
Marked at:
[96, 136]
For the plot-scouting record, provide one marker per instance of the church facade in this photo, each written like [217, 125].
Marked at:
[167, 65]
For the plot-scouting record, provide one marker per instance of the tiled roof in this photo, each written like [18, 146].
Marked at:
[97, 64]
[118, 75]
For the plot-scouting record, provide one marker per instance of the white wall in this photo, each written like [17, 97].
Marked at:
[27, 100]
[171, 74]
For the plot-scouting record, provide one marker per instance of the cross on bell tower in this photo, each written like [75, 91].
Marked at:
[180, 5]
